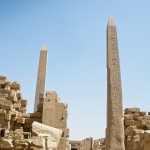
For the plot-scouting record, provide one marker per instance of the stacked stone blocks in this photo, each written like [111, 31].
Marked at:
[137, 129]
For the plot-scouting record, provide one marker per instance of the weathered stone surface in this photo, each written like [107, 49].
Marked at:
[31, 120]
[114, 133]
[15, 86]
[129, 130]
[38, 141]
[53, 133]
[21, 145]
[21, 120]
[128, 117]
[36, 115]
[25, 115]
[7, 117]
[132, 110]
[6, 144]
[143, 113]
[3, 78]
[24, 102]
[55, 115]
[2, 111]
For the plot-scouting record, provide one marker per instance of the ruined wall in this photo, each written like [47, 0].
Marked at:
[137, 129]
[12, 105]
[55, 114]
[99, 144]
[86, 144]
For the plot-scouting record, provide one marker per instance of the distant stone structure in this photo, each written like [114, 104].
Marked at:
[88, 144]
[75, 145]
[114, 131]
[40, 87]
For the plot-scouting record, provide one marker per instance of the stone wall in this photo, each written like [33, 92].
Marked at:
[15, 119]
[12, 105]
[137, 129]
[55, 114]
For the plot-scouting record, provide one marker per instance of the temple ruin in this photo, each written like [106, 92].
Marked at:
[46, 128]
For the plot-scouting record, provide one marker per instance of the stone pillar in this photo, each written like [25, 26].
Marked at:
[115, 132]
[40, 86]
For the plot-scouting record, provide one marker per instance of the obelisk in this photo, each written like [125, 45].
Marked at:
[40, 86]
[114, 132]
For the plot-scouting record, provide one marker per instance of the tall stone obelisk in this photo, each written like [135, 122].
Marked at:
[40, 86]
[114, 131]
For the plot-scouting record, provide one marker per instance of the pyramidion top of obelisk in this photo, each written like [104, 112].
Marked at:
[111, 21]
[44, 48]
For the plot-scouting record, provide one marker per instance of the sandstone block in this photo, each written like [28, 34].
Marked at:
[5, 104]
[14, 118]
[7, 123]
[15, 86]
[138, 123]
[7, 107]
[129, 130]
[2, 111]
[36, 115]
[31, 120]
[136, 114]
[148, 127]
[52, 95]
[132, 110]
[25, 115]
[4, 91]
[147, 136]
[21, 120]
[128, 117]
[3, 78]
[53, 133]
[24, 102]
[7, 117]
[3, 96]
[146, 117]
[6, 144]
[17, 105]
[22, 109]
[19, 96]
[2, 82]
[27, 126]
[14, 113]
[143, 113]
[38, 142]
[12, 98]
[136, 138]
[129, 122]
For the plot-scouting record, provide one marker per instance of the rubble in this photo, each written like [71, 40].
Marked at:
[21, 130]
[137, 131]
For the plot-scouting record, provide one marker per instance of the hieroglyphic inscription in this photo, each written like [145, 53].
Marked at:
[115, 68]
[114, 122]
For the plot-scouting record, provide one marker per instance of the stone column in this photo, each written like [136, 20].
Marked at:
[40, 86]
[114, 132]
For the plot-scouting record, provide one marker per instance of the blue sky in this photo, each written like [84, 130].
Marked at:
[75, 34]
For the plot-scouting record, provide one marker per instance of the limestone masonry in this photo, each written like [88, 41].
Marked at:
[46, 128]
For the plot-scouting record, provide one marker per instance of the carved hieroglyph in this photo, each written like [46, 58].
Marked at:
[40, 86]
[114, 131]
